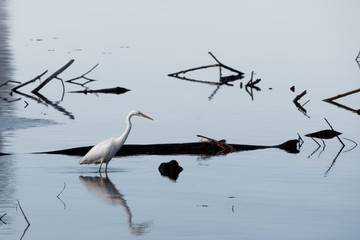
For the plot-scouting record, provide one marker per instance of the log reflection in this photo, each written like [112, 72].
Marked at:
[105, 190]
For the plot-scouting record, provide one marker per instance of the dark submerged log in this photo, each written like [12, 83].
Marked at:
[209, 148]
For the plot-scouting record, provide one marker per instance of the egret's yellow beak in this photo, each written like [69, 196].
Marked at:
[143, 115]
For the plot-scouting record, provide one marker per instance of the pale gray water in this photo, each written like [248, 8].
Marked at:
[246, 195]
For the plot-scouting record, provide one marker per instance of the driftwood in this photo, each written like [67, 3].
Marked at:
[331, 101]
[208, 148]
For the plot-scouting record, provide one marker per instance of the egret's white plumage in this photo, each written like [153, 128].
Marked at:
[104, 151]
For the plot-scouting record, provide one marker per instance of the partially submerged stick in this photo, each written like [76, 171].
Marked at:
[341, 95]
[22, 211]
[334, 130]
[52, 76]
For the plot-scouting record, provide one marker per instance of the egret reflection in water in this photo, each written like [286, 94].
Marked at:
[105, 190]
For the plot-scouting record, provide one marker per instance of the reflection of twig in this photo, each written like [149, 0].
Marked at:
[58, 196]
[350, 141]
[357, 59]
[24, 232]
[333, 162]
[25, 219]
[55, 105]
[83, 76]
[316, 148]
[214, 92]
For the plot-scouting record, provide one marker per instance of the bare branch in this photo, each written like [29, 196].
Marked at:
[54, 75]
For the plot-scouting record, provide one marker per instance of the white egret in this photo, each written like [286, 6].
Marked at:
[104, 151]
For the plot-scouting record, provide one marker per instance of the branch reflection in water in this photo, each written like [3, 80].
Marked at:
[105, 190]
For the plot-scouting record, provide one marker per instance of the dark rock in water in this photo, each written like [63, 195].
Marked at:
[324, 134]
[170, 169]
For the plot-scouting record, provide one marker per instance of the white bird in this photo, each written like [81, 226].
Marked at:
[104, 151]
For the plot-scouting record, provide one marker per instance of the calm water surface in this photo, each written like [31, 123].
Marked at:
[245, 195]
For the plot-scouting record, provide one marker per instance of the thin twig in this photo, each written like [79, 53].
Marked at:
[1, 218]
[10, 81]
[28, 82]
[334, 130]
[224, 66]
[83, 76]
[341, 95]
[23, 213]
[334, 161]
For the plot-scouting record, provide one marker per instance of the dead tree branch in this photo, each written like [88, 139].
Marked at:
[83, 76]
[52, 76]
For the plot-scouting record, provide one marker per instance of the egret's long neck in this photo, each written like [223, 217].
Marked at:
[120, 140]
